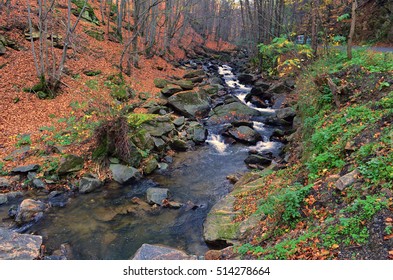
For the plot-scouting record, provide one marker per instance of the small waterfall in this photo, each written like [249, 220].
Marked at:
[217, 142]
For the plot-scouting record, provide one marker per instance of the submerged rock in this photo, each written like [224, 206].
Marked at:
[15, 246]
[156, 195]
[160, 252]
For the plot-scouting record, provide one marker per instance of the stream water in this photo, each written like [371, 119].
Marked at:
[107, 225]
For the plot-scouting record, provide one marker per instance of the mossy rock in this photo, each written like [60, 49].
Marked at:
[92, 73]
[88, 13]
[122, 93]
[96, 34]
[70, 164]
[160, 83]
[184, 84]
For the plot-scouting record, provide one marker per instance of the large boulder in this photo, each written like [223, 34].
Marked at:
[15, 246]
[245, 134]
[245, 78]
[29, 210]
[156, 195]
[231, 112]
[257, 159]
[123, 174]
[286, 114]
[191, 103]
[159, 252]
[197, 132]
[69, 164]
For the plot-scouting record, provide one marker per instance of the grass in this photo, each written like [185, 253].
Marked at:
[303, 211]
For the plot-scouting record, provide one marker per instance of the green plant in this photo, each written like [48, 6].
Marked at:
[24, 140]
[92, 84]
[388, 230]
[343, 17]
[136, 120]
[3, 172]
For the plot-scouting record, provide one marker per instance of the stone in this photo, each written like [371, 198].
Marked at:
[245, 78]
[245, 134]
[279, 88]
[191, 103]
[347, 180]
[197, 79]
[231, 112]
[123, 174]
[219, 227]
[257, 159]
[26, 168]
[178, 145]
[160, 83]
[39, 184]
[262, 84]
[194, 74]
[157, 129]
[143, 140]
[199, 133]
[179, 121]
[184, 84]
[88, 185]
[15, 246]
[160, 252]
[159, 143]
[3, 50]
[3, 198]
[150, 166]
[174, 204]
[170, 90]
[69, 164]
[29, 210]
[156, 195]
[4, 182]
[286, 114]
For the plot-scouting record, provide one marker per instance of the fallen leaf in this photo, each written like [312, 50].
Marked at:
[389, 220]
[335, 246]
[387, 237]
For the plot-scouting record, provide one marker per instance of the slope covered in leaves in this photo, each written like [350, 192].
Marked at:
[334, 198]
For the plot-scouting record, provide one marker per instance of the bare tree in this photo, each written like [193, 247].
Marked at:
[352, 29]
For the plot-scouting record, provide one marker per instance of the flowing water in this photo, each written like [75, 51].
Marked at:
[108, 225]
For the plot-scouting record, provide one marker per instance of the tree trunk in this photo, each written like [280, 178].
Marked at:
[352, 30]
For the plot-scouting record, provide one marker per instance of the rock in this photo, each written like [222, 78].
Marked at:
[160, 83]
[173, 204]
[194, 74]
[178, 145]
[286, 114]
[216, 81]
[15, 246]
[250, 124]
[179, 121]
[219, 227]
[163, 166]
[210, 90]
[184, 84]
[262, 84]
[231, 112]
[123, 174]
[245, 78]
[143, 140]
[245, 134]
[58, 199]
[257, 159]
[191, 103]
[170, 90]
[19, 153]
[156, 195]
[29, 210]
[290, 83]
[150, 166]
[3, 198]
[4, 182]
[199, 133]
[88, 185]
[39, 184]
[279, 88]
[3, 50]
[26, 168]
[159, 252]
[69, 164]
[144, 95]
[197, 79]
[159, 143]
[157, 129]
[347, 180]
